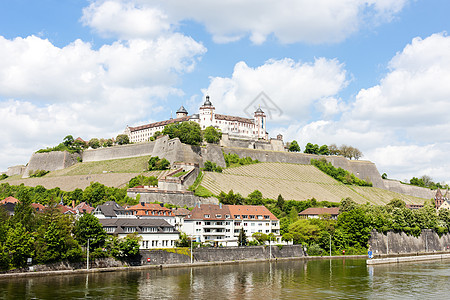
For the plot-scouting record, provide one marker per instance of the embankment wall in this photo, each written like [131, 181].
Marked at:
[50, 161]
[15, 170]
[161, 257]
[116, 152]
[400, 243]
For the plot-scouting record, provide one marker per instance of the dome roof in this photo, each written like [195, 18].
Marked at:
[182, 110]
[207, 102]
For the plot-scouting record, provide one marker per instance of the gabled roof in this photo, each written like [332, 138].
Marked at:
[438, 194]
[316, 211]
[138, 224]
[233, 119]
[142, 208]
[65, 209]
[83, 207]
[161, 123]
[214, 211]
[9, 199]
[111, 209]
[181, 211]
[38, 207]
[247, 210]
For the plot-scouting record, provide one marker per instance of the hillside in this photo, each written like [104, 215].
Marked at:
[295, 182]
[114, 173]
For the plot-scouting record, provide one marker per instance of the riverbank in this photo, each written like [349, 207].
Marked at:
[169, 266]
[402, 259]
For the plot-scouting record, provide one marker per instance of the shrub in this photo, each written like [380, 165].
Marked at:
[38, 173]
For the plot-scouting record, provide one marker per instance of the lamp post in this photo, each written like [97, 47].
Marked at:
[192, 257]
[87, 264]
[330, 243]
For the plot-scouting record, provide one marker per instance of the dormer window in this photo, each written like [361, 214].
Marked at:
[206, 216]
[218, 216]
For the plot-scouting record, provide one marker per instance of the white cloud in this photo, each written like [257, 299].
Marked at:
[291, 21]
[292, 86]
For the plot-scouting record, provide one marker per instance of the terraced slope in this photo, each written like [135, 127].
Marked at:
[294, 182]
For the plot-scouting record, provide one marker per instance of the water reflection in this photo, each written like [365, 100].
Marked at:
[324, 279]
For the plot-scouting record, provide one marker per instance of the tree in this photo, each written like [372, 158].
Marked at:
[20, 245]
[242, 239]
[212, 135]
[129, 247]
[155, 163]
[88, 227]
[323, 150]
[68, 141]
[188, 132]
[280, 202]
[183, 241]
[333, 149]
[94, 143]
[347, 204]
[260, 237]
[122, 139]
[294, 147]
[303, 231]
[384, 176]
[311, 148]
[255, 198]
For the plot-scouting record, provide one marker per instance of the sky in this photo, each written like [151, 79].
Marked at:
[373, 74]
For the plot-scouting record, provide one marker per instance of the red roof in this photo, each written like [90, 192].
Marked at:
[233, 119]
[250, 210]
[38, 207]
[9, 200]
[83, 207]
[210, 212]
[161, 123]
[148, 209]
[315, 211]
[65, 209]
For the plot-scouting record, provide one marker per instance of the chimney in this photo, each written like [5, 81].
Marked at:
[220, 205]
[73, 203]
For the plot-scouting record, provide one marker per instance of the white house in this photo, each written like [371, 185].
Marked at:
[154, 233]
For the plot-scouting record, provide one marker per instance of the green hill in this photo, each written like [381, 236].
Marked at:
[294, 182]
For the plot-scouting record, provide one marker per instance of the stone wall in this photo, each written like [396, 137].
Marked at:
[420, 192]
[213, 153]
[209, 254]
[180, 198]
[116, 152]
[15, 170]
[50, 161]
[394, 243]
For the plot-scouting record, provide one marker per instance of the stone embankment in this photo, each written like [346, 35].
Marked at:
[402, 259]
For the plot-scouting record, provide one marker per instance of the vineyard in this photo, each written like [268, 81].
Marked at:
[294, 182]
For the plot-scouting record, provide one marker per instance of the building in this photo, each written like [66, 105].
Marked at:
[222, 224]
[153, 211]
[9, 199]
[439, 199]
[316, 212]
[111, 209]
[154, 233]
[253, 129]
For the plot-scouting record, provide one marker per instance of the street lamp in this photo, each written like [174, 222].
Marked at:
[87, 264]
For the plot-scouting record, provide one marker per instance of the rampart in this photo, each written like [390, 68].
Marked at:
[15, 170]
[406, 189]
[401, 243]
[180, 198]
[50, 161]
[116, 152]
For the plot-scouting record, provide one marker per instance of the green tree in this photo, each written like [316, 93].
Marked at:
[303, 231]
[347, 204]
[260, 237]
[242, 239]
[188, 132]
[356, 225]
[311, 148]
[183, 241]
[122, 139]
[20, 245]
[323, 150]
[88, 227]
[94, 143]
[384, 176]
[255, 198]
[294, 147]
[68, 141]
[212, 135]
[280, 202]
[129, 246]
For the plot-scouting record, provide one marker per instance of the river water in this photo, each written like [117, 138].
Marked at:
[315, 279]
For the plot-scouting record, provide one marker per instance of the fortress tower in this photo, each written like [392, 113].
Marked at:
[206, 114]
[260, 122]
[181, 112]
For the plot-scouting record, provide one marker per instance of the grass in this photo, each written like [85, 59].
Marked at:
[123, 165]
[203, 192]
[179, 174]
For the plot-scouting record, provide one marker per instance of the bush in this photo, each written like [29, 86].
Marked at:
[339, 174]
[3, 176]
[212, 167]
[233, 160]
[38, 173]
[155, 163]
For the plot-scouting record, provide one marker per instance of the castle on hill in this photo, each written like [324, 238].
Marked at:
[239, 127]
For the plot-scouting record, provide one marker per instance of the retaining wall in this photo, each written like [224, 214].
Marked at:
[420, 192]
[160, 257]
[15, 170]
[399, 243]
[116, 152]
[180, 198]
[50, 161]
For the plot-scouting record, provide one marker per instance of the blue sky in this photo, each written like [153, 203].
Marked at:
[373, 74]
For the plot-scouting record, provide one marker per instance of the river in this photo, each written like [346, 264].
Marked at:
[296, 279]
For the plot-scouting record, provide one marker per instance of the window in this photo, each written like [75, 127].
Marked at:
[245, 224]
[110, 229]
[129, 229]
[206, 216]
[168, 229]
[244, 216]
[208, 223]
[267, 224]
[227, 216]
[198, 223]
[149, 229]
[218, 216]
[227, 223]
[198, 230]
[252, 224]
[236, 231]
[260, 217]
[259, 224]
[237, 224]
[266, 217]
[252, 216]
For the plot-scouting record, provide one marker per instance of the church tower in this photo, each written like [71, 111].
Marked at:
[260, 122]
[207, 114]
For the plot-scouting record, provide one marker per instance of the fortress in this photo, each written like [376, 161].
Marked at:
[238, 127]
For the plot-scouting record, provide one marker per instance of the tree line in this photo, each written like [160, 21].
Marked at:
[344, 150]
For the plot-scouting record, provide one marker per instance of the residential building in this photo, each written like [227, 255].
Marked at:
[239, 127]
[153, 211]
[154, 233]
[222, 223]
[439, 199]
[316, 212]
[111, 209]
